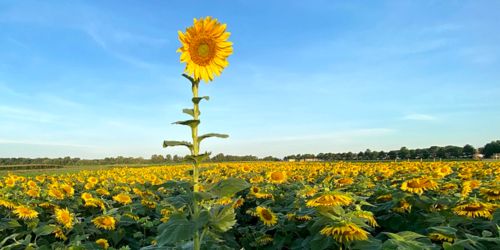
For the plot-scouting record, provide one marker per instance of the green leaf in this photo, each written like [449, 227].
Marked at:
[45, 230]
[449, 231]
[223, 218]
[191, 79]
[177, 143]
[177, 229]
[229, 187]
[202, 137]
[449, 246]
[190, 123]
[370, 244]
[196, 100]
[190, 112]
[198, 158]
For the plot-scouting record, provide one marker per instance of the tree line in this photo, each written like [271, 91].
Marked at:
[120, 160]
[434, 152]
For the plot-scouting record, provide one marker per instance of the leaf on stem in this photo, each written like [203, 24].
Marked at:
[201, 137]
[197, 100]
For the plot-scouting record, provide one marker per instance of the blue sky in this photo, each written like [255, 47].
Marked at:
[101, 78]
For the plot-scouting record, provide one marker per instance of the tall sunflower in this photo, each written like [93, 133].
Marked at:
[205, 48]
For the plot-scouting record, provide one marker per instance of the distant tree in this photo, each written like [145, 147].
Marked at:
[468, 151]
[491, 148]
[404, 153]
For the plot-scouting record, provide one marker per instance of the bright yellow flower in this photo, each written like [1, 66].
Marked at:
[205, 48]
[345, 232]
[330, 199]
[418, 185]
[474, 209]
[441, 237]
[277, 177]
[123, 198]
[266, 216]
[64, 217]
[105, 222]
[25, 213]
[103, 243]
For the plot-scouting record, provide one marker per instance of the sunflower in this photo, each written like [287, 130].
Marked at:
[277, 177]
[56, 193]
[59, 234]
[103, 243]
[368, 216]
[418, 185]
[34, 193]
[238, 203]
[64, 217]
[105, 222]
[491, 194]
[266, 216]
[440, 237]
[345, 232]
[264, 240]
[330, 199]
[403, 206]
[474, 209]
[205, 48]
[344, 181]
[123, 198]
[7, 204]
[25, 213]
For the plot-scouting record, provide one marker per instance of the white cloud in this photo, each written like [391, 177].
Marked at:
[419, 117]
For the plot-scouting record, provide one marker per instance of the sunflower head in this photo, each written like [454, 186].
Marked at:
[25, 213]
[266, 216]
[205, 48]
[345, 232]
[64, 217]
[105, 222]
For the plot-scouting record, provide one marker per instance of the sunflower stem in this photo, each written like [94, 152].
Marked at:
[194, 153]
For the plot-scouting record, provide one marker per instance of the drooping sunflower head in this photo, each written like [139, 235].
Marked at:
[345, 232]
[330, 199]
[474, 209]
[205, 48]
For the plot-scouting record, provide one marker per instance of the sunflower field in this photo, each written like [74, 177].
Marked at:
[261, 205]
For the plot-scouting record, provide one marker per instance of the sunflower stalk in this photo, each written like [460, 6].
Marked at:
[194, 153]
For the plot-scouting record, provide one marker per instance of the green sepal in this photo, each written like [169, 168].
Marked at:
[201, 137]
[197, 100]
[190, 123]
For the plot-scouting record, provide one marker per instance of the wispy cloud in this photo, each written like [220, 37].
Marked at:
[109, 39]
[419, 117]
[27, 114]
